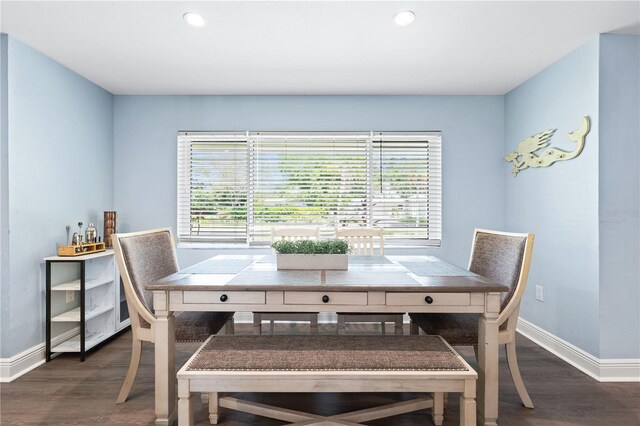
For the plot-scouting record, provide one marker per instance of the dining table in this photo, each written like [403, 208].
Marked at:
[372, 284]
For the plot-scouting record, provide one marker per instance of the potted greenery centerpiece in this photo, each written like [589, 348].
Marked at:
[312, 254]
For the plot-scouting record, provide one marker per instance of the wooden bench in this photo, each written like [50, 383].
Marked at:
[319, 363]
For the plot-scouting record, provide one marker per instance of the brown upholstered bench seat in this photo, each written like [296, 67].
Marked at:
[313, 363]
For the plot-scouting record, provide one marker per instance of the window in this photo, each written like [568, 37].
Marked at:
[233, 187]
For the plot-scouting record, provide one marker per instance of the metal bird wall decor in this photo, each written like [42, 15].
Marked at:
[526, 155]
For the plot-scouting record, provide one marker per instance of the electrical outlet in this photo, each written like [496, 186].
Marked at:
[71, 296]
[539, 293]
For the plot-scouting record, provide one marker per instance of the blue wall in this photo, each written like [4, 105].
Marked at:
[560, 203]
[55, 126]
[4, 200]
[472, 127]
[60, 150]
[619, 196]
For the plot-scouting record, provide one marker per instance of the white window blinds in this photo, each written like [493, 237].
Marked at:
[212, 187]
[406, 186]
[233, 187]
[308, 179]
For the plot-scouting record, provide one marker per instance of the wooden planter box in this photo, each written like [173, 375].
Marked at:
[313, 261]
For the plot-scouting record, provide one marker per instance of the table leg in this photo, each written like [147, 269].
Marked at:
[165, 368]
[488, 362]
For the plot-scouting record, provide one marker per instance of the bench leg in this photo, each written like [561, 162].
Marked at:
[468, 404]
[384, 331]
[313, 318]
[342, 322]
[257, 323]
[185, 403]
[213, 408]
[399, 326]
[437, 413]
[229, 327]
[413, 328]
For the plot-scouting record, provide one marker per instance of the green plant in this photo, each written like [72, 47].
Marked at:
[311, 247]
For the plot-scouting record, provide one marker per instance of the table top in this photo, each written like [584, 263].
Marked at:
[366, 273]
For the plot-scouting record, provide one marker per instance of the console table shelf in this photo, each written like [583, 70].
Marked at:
[73, 344]
[75, 285]
[73, 315]
[83, 302]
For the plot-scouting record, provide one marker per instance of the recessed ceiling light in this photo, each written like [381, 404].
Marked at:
[194, 19]
[404, 18]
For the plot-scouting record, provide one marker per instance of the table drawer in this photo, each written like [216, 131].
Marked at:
[325, 298]
[433, 299]
[226, 297]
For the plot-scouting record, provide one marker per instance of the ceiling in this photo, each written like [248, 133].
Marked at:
[312, 48]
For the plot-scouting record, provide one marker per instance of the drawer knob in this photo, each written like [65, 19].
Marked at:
[224, 298]
[325, 299]
[428, 299]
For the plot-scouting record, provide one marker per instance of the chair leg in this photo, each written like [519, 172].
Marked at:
[313, 318]
[213, 408]
[136, 353]
[257, 323]
[413, 328]
[342, 320]
[512, 361]
[437, 415]
[399, 326]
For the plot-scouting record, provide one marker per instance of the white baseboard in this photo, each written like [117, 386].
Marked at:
[603, 370]
[22, 363]
[17, 365]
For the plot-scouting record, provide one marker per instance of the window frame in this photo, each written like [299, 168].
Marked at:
[186, 138]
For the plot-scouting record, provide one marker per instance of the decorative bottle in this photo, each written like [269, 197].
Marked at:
[109, 227]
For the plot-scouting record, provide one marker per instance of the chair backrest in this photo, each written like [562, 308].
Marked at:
[294, 233]
[362, 240]
[143, 258]
[505, 258]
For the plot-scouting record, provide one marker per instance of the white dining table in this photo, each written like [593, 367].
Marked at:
[373, 284]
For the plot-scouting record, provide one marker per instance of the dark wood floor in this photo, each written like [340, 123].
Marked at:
[67, 392]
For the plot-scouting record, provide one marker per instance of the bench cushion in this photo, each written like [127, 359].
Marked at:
[326, 353]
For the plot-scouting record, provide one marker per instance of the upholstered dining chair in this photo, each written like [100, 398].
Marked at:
[143, 258]
[504, 258]
[292, 234]
[362, 243]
